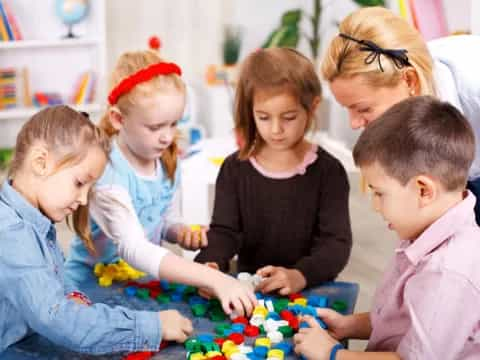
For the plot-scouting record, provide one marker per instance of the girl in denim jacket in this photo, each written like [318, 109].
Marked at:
[59, 154]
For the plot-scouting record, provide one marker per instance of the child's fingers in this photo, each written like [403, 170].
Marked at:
[247, 304]
[187, 239]
[237, 307]
[195, 240]
[266, 271]
[326, 314]
[298, 337]
[203, 238]
[182, 337]
[187, 327]
[252, 298]
[271, 284]
[205, 293]
[312, 323]
[285, 291]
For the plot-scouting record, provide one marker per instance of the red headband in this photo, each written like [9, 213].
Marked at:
[141, 76]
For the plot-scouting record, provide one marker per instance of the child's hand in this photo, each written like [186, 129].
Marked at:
[175, 327]
[338, 325]
[192, 237]
[313, 342]
[286, 281]
[234, 295]
[206, 293]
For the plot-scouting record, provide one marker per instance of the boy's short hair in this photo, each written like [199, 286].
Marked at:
[420, 135]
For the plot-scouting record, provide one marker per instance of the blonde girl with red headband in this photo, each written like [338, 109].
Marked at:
[135, 206]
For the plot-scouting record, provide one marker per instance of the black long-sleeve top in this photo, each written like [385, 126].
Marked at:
[301, 222]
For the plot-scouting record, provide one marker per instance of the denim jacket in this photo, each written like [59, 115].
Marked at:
[32, 293]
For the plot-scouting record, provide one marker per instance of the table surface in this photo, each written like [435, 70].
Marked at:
[37, 347]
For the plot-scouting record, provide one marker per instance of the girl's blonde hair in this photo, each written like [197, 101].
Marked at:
[284, 69]
[128, 64]
[68, 135]
[344, 58]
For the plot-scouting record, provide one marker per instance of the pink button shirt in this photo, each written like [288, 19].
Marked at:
[428, 304]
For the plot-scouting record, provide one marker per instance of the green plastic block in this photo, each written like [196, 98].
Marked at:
[163, 298]
[220, 328]
[339, 306]
[280, 304]
[199, 310]
[143, 293]
[286, 331]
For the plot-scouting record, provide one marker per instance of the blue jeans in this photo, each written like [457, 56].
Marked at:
[474, 187]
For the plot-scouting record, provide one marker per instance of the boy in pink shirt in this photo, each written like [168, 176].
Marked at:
[415, 159]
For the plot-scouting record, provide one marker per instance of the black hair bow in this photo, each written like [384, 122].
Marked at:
[398, 56]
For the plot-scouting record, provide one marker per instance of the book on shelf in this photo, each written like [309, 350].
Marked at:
[8, 88]
[84, 90]
[3, 30]
[9, 29]
[12, 21]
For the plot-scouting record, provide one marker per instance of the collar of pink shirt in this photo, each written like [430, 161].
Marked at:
[309, 158]
[441, 230]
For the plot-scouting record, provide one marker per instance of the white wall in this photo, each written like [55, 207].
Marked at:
[192, 32]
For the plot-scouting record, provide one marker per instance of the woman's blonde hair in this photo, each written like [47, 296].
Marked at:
[344, 58]
[274, 68]
[68, 135]
[128, 64]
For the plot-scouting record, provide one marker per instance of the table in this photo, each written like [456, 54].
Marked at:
[37, 347]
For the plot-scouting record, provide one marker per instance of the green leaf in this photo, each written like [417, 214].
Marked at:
[291, 18]
[370, 2]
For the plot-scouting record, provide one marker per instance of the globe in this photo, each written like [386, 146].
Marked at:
[71, 12]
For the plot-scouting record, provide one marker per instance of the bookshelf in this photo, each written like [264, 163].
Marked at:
[55, 64]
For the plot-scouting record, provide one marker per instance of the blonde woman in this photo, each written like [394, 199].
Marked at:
[379, 59]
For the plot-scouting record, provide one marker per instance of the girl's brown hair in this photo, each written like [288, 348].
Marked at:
[344, 58]
[68, 135]
[275, 68]
[128, 64]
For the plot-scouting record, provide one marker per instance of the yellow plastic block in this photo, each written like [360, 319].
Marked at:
[105, 281]
[212, 354]
[216, 160]
[263, 342]
[300, 301]
[230, 351]
[275, 354]
[120, 271]
[197, 356]
[195, 227]
[260, 310]
[228, 345]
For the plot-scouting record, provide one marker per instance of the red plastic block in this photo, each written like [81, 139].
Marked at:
[236, 338]
[142, 355]
[294, 296]
[240, 320]
[252, 331]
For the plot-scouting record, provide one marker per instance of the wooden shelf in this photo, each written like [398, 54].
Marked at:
[26, 112]
[54, 43]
